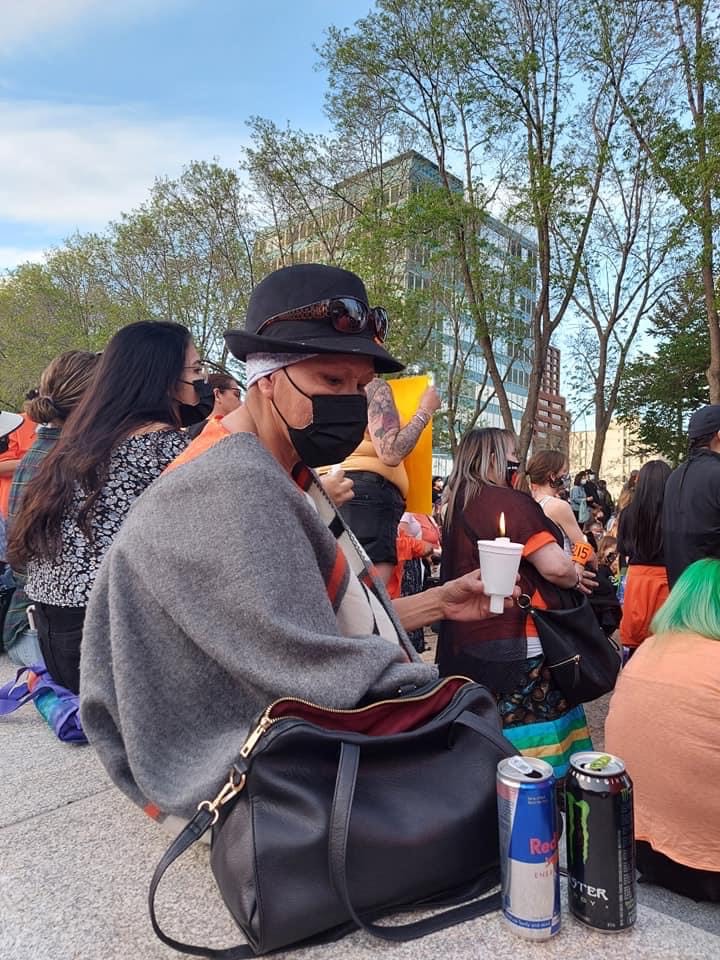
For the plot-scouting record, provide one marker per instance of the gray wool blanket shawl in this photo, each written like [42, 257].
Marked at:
[210, 604]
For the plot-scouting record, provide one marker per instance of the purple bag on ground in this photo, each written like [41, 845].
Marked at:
[59, 707]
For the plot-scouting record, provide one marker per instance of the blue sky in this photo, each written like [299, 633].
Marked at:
[99, 97]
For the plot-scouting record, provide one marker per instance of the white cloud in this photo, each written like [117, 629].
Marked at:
[54, 21]
[13, 256]
[77, 167]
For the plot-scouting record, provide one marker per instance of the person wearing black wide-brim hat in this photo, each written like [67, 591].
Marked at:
[233, 580]
[375, 465]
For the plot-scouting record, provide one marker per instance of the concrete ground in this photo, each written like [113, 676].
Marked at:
[76, 859]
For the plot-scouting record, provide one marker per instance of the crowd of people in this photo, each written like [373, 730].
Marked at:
[178, 556]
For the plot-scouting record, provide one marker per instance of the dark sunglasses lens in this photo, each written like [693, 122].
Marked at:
[348, 316]
[381, 322]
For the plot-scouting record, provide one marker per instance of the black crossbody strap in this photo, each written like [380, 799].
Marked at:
[337, 853]
[200, 824]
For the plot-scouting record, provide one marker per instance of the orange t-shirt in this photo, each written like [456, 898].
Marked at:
[19, 442]
[663, 721]
[212, 434]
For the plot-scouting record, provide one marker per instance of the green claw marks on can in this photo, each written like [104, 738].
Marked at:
[600, 839]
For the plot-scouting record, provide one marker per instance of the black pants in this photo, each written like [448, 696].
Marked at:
[60, 633]
[663, 872]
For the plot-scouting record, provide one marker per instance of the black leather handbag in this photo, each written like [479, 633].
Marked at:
[584, 662]
[332, 818]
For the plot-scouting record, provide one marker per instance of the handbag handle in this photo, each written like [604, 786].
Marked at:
[337, 851]
[337, 856]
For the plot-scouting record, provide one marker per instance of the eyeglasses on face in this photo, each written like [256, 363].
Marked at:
[199, 370]
[232, 390]
[346, 314]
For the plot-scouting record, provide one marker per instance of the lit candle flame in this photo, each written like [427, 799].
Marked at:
[501, 525]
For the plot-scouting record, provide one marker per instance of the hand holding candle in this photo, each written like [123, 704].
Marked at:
[499, 562]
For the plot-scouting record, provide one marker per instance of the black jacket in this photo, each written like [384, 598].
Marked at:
[691, 512]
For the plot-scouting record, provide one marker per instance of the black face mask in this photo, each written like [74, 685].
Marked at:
[511, 470]
[559, 482]
[337, 427]
[197, 412]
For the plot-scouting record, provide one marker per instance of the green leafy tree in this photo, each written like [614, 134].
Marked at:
[671, 100]
[660, 389]
[185, 255]
[408, 65]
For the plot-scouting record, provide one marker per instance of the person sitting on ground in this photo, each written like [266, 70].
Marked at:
[336, 485]
[178, 664]
[9, 423]
[13, 447]
[640, 546]
[226, 398]
[119, 438]
[62, 385]
[663, 721]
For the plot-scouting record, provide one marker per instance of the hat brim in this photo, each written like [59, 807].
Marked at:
[9, 422]
[240, 344]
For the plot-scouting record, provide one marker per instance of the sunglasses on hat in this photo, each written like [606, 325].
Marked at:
[346, 314]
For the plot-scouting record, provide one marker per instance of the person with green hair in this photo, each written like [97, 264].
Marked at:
[663, 721]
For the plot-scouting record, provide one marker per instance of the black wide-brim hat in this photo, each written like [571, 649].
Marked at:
[290, 288]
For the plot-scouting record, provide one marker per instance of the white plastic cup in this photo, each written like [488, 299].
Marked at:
[499, 562]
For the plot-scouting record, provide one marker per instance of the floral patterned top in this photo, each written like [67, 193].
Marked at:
[67, 580]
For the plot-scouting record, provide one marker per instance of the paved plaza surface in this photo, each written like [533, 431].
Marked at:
[76, 859]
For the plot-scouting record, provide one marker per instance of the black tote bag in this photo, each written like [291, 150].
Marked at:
[332, 818]
[584, 662]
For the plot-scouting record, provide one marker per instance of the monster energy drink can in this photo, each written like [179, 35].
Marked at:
[528, 828]
[600, 841]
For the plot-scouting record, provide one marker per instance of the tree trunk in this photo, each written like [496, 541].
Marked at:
[713, 371]
[602, 424]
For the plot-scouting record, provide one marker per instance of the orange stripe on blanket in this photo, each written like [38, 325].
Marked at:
[337, 575]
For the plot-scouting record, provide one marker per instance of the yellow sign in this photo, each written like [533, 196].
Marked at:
[407, 392]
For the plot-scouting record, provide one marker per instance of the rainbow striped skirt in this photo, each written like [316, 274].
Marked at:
[538, 722]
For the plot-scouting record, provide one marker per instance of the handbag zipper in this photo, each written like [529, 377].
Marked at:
[574, 660]
[266, 721]
[234, 786]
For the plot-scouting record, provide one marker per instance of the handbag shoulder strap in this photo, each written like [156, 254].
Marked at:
[337, 851]
[199, 825]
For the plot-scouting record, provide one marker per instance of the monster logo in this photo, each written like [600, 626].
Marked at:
[581, 810]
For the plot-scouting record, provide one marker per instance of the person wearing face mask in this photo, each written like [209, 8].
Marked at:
[293, 606]
[504, 653]
[117, 440]
[225, 393]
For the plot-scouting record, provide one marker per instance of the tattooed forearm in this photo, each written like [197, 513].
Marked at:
[391, 443]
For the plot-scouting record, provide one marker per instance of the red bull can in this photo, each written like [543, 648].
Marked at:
[528, 829]
[600, 841]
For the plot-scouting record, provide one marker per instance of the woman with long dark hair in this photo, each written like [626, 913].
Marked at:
[504, 653]
[121, 436]
[640, 547]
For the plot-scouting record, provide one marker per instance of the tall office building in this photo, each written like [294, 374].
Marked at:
[452, 349]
